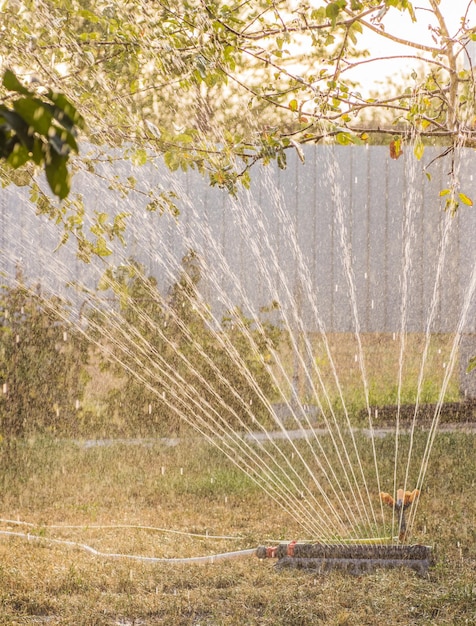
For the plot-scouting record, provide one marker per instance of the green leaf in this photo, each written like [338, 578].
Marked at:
[411, 10]
[17, 124]
[91, 17]
[101, 248]
[65, 112]
[293, 105]
[139, 157]
[344, 139]
[471, 364]
[11, 82]
[18, 156]
[35, 114]
[318, 14]
[102, 218]
[38, 152]
[184, 138]
[333, 9]
[171, 160]
[57, 174]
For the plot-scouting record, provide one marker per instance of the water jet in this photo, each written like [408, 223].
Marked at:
[323, 258]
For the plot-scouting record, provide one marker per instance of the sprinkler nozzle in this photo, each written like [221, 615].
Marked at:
[403, 501]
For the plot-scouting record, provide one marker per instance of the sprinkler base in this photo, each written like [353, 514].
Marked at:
[354, 559]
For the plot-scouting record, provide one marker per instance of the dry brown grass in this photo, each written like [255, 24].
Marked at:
[59, 483]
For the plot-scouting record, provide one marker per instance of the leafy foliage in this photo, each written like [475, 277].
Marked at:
[42, 364]
[217, 87]
[184, 362]
[39, 129]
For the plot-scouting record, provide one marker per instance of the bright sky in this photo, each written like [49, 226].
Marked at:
[401, 25]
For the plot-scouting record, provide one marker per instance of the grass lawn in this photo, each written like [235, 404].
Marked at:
[190, 488]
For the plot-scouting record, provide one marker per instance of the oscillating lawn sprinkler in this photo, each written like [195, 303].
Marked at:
[360, 558]
[403, 501]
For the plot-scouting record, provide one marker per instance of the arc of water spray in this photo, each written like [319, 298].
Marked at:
[449, 221]
[468, 299]
[171, 381]
[257, 220]
[410, 208]
[237, 359]
[152, 389]
[287, 501]
[256, 250]
[247, 222]
[157, 357]
[225, 300]
[167, 267]
[349, 275]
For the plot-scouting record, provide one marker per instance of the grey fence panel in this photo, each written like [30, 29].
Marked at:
[342, 311]
[467, 238]
[323, 239]
[286, 238]
[433, 219]
[360, 212]
[412, 210]
[305, 237]
[377, 268]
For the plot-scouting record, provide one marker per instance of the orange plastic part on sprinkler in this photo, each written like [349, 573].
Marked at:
[403, 501]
